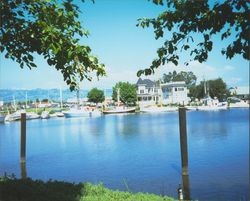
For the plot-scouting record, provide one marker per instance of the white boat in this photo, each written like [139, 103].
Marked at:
[237, 103]
[45, 115]
[32, 115]
[211, 104]
[119, 110]
[81, 112]
[156, 109]
[14, 116]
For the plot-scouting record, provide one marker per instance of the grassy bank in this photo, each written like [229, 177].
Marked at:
[36, 190]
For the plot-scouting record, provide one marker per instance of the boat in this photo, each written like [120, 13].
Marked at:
[74, 112]
[119, 110]
[14, 116]
[32, 115]
[211, 104]
[234, 102]
[45, 115]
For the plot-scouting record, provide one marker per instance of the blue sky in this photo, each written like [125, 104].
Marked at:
[124, 49]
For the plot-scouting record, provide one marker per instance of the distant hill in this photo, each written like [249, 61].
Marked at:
[7, 95]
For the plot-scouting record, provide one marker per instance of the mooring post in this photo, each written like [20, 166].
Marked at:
[183, 140]
[23, 138]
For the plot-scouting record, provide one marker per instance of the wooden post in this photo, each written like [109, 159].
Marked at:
[23, 138]
[183, 140]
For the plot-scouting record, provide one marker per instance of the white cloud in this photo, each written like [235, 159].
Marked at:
[228, 68]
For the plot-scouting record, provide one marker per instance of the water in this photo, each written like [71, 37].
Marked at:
[140, 151]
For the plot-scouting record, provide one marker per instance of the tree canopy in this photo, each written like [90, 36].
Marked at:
[127, 93]
[96, 96]
[50, 29]
[188, 77]
[216, 88]
[228, 19]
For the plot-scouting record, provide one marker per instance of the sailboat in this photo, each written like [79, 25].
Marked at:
[119, 109]
[211, 104]
[78, 111]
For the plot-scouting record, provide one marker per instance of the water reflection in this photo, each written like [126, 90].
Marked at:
[186, 187]
[23, 170]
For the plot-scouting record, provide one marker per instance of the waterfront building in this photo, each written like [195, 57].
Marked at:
[148, 92]
[175, 93]
[241, 92]
[151, 93]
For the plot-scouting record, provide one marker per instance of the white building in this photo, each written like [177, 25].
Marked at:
[150, 93]
[175, 93]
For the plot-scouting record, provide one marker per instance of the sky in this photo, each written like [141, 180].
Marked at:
[124, 49]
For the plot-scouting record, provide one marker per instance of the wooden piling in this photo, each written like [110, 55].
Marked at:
[183, 140]
[23, 138]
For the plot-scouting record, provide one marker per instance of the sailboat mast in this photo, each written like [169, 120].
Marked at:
[118, 96]
[26, 105]
[205, 87]
[61, 97]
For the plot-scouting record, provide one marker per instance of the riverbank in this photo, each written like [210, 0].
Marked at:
[30, 190]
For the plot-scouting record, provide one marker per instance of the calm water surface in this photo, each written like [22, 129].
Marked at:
[140, 151]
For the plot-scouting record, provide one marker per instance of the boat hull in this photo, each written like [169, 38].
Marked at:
[119, 111]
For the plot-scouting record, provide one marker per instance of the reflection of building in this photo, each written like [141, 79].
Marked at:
[175, 93]
[150, 93]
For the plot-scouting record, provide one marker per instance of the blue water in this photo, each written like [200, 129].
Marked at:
[139, 152]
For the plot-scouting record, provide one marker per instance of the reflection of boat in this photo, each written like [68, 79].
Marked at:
[2, 117]
[236, 102]
[45, 115]
[156, 109]
[119, 109]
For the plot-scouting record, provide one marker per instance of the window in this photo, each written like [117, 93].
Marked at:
[180, 89]
[141, 91]
[149, 98]
[139, 98]
[175, 89]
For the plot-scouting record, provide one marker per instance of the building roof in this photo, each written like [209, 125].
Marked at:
[146, 82]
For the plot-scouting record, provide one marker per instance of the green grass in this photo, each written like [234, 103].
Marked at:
[36, 190]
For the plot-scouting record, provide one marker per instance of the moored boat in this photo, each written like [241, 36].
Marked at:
[45, 115]
[119, 110]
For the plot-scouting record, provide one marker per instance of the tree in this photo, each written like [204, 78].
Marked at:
[50, 29]
[228, 19]
[217, 88]
[96, 96]
[127, 93]
[188, 77]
